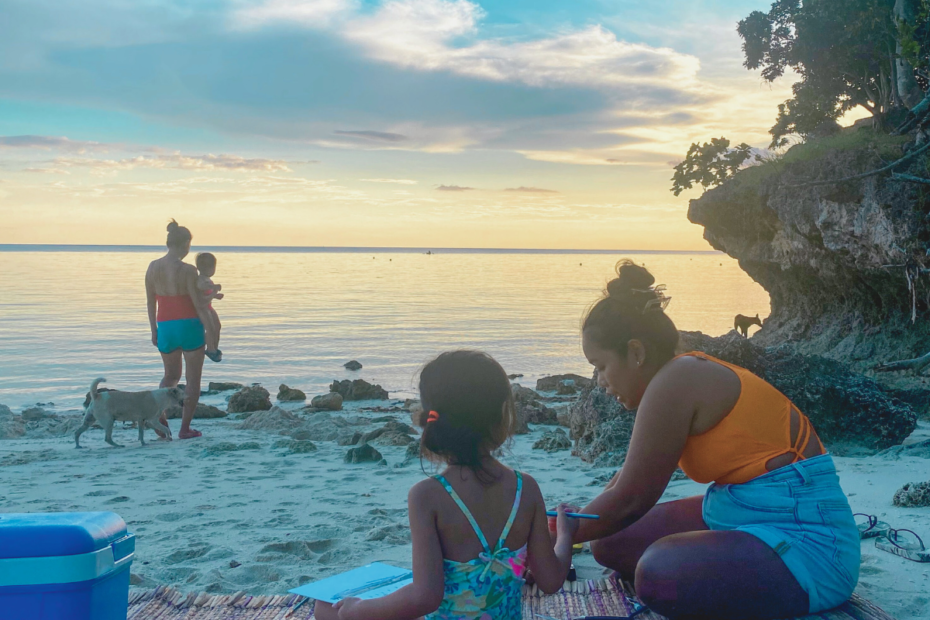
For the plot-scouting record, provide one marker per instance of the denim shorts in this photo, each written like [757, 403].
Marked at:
[801, 512]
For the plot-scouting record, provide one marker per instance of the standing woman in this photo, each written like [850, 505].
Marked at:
[773, 536]
[177, 315]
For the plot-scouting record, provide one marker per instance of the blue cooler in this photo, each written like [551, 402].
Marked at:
[64, 566]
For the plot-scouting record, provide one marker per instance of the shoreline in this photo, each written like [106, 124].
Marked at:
[239, 510]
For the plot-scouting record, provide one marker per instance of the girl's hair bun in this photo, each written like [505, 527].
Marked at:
[173, 225]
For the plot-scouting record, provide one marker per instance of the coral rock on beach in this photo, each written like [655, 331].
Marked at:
[551, 384]
[358, 389]
[363, 454]
[353, 365]
[254, 398]
[601, 428]
[11, 426]
[290, 394]
[913, 495]
[849, 411]
[330, 402]
[529, 408]
[553, 441]
[275, 419]
[202, 412]
[34, 414]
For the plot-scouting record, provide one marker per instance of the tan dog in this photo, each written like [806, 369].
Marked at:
[742, 323]
[143, 408]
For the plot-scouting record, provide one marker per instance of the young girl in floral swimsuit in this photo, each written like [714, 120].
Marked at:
[468, 413]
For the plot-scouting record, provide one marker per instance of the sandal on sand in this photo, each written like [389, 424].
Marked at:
[191, 434]
[905, 543]
[216, 356]
[871, 528]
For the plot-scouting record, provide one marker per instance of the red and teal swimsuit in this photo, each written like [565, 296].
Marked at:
[179, 326]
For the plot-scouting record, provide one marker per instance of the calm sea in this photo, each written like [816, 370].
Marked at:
[295, 316]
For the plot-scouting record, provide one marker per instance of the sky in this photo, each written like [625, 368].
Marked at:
[392, 123]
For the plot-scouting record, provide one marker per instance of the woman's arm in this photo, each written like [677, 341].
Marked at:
[425, 594]
[549, 566]
[150, 302]
[663, 424]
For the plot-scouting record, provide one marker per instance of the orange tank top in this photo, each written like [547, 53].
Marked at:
[757, 429]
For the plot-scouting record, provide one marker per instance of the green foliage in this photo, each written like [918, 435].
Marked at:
[709, 164]
[914, 38]
[883, 145]
[843, 51]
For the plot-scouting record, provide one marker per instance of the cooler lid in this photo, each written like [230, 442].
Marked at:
[36, 535]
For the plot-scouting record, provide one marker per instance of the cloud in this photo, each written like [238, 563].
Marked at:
[397, 181]
[421, 34]
[45, 171]
[531, 190]
[307, 13]
[48, 143]
[427, 35]
[454, 188]
[377, 136]
[178, 162]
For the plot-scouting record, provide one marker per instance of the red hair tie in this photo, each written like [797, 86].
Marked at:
[433, 416]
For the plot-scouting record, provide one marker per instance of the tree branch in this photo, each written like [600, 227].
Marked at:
[865, 175]
[909, 178]
[917, 364]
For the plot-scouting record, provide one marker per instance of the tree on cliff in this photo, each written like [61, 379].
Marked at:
[847, 53]
[709, 164]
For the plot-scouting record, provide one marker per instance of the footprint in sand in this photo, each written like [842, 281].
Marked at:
[171, 517]
[188, 553]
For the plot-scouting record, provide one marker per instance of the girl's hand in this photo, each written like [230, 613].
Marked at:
[154, 338]
[348, 608]
[324, 611]
[566, 526]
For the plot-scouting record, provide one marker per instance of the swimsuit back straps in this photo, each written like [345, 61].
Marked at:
[471, 519]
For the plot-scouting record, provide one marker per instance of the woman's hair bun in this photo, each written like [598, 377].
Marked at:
[630, 278]
[173, 225]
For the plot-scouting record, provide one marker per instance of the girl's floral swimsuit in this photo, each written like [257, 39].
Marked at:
[490, 586]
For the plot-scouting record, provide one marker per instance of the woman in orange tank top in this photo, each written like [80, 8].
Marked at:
[772, 537]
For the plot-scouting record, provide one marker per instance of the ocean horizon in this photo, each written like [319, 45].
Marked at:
[274, 249]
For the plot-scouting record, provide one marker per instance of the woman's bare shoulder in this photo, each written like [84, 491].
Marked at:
[699, 379]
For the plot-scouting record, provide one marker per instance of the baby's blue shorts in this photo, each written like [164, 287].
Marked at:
[801, 512]
[186, 334]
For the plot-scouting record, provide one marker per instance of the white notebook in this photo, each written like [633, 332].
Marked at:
[366, 582]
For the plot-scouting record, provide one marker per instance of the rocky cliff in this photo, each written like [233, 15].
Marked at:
[824, 252]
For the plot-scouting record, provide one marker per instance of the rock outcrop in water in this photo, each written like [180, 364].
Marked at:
[823, 252]
[254, 398]
[359, 389]
[551, 384]
[289, 394]
[329, 402]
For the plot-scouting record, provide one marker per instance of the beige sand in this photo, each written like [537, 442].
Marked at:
[263, 520]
